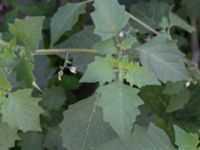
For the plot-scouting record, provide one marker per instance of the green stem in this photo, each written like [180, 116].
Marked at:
[58, 51]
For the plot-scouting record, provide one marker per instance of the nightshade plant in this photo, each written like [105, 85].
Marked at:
[123, 65]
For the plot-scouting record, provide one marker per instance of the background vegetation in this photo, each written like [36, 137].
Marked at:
[43, 106]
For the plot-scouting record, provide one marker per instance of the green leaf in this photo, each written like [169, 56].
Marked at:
[32, 141]
[61, 23]
[174, 88]
[150, 12]
[101, 70]
[82, 123]
[53, 139]
[162, 57]
[120, 106]
[8, 136]
[21, 111]
[42, 70]
[179, 22]
[177, 102]
[24, 72]
[109, 18]
[140, 76]
[69, 82]
[53, 98]
[180, 95]
[28, 31]
[184, 140]
[152, 138]
[106, 47]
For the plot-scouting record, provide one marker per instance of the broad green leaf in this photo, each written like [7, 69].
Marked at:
[164, 59]
[69, 82]
[174, 88]
[84, 39]
[40, 8]
[109, 18]
[21, 111]
[28, 31]
[42, 70]
[178, 101]
[179, 22]
[184, 140]
[61, 23]
[101, 70]
[152, 138]
[180, 95]
[51, 118]
[120, 106]
[8, 136]
[106, 47]
[150, 12]
[32, 141]
[24, 72]
[154, 98]
[53, 98]
[140, 76]
[53, 139]
[83, 126]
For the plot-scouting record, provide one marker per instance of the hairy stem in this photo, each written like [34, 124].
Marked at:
[142, 23]
[59, 51]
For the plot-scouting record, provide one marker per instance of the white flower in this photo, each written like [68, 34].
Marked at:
[121, 34]
[73, 70]
[187, 84]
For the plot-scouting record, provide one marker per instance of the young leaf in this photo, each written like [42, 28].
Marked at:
[83, 127]
[109, 18]
[64, 19]
[179, 22]
[128, 42]
[152, 138]
[184, 140]
[8, 136]
[99, 71]
[162, 57]
[21, 111]
[4, 83]
[120, 106]
[28, 31]
[106, 47]
[140, 76]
